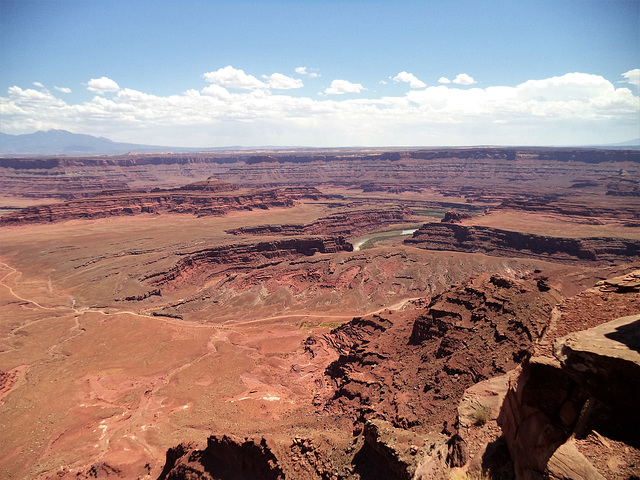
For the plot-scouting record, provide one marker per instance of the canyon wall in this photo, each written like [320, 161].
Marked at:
[347, 224]
[203, 198]
[479, 174]
[493, 241]
[242, 256]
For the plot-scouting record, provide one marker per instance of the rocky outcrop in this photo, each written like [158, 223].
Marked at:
[382, 452]
[554, 403]
[390, 452]
[8, 380]
[412, 371]
[505, 243]
[225, 458]
[202, 199]
[539, 412]
[602, 360]
[269, 457]
[454, 217]
[624, 187]
[347, 224]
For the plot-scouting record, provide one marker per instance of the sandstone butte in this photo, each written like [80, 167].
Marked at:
[356, 315]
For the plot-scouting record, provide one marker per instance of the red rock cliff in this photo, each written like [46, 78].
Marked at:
[505, 243]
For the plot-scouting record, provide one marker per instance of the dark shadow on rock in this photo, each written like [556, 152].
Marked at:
[496, 461]
[229, 459]
[225, 458]
[628, 334]
[610, 423]
[370, 465]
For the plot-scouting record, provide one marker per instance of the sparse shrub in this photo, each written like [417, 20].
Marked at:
[481, 415]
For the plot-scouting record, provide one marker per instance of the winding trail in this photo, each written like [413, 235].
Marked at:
[3, 283]
[184, 323]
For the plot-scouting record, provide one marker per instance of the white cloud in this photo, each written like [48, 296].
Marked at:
[233, 78]
[305, 71]
[63, 89]
[568, 87]
[339, 87]
[576, 108]
[409, 78]
[282, 82]
[102, 85]
[38, 84]
[633, 77]
[463, 79]
[444, 80]
[216, 91]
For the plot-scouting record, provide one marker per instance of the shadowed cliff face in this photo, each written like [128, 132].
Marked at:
[504, 243]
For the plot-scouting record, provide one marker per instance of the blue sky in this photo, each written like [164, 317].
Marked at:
[323, 73]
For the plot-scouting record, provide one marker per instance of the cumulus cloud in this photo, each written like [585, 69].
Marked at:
[216, 91]
[409, 78]
[570, 109]
[233, 78]
[463, 79]
[566, 88]
[632, 77]
[306, 71]
[38, 84]
[29, 97]
[63, 89]
[279, 81]
[338, 87]
[444, 80]
[102, 85]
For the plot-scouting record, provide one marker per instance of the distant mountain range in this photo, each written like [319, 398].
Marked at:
[630, 143]
[62, 142]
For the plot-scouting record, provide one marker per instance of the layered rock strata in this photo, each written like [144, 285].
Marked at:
[204, 198]
[347, 224]
[595, 213]
[505, 243]
[479, 174]
[243, 256]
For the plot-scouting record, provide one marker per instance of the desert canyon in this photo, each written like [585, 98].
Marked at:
[352, 314]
